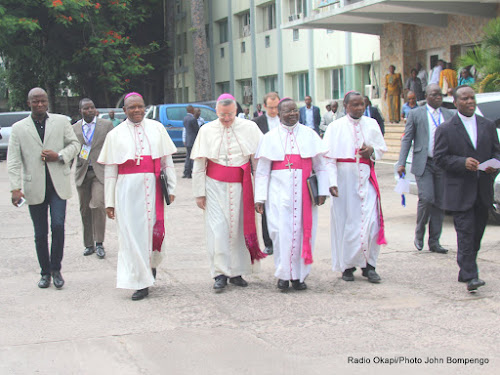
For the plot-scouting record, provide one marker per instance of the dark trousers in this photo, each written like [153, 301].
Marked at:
[469, 226]
[265, 232]
[188, 164]
[430, 195]
[38, 212]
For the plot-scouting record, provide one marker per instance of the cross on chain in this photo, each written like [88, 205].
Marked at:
[289, 165]
[139, 158]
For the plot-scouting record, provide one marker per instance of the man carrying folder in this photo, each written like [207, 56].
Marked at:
[287, 155]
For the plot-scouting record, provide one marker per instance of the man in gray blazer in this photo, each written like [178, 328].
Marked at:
[91, 132]
[420, 128]
[40, 149]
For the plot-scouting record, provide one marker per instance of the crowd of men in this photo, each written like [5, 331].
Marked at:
[125, 172]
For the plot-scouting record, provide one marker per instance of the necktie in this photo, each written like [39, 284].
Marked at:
[436, 117]
[88, 132]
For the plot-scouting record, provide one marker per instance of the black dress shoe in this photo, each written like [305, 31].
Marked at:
[58, 280]
[438, 249]
[268, 250]
[347, 275]
[44, 282]
[99, 251]
[220, 282]
[238, 280]
[372, 276]
[88, 251]
[474, 284]
[419, 244]
[283, 284]
[140, 294]
[297, 285]
[153, 271]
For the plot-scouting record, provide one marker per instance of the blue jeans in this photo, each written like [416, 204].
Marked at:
[39, 217]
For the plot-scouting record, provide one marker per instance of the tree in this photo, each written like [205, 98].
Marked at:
[201, 58]
[486, 59]
[82, 44]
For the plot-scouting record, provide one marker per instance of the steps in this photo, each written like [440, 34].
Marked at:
[393, 134]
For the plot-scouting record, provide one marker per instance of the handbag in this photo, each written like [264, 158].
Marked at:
[164, 187]
[312, 185]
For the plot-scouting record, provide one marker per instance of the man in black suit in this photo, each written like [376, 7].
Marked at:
[374, 113]
[191, 125]
[268, 121]
[461, 144]
[309, 115]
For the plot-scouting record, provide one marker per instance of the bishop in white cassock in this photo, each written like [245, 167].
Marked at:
[134, 154]
[354, 142]
[287, 156]
[222, 185]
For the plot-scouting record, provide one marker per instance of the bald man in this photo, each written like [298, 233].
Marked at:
[40, 149]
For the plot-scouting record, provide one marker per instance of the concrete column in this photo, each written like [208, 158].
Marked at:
[210, 46]
[279, 50]
[254, 53]
[230, 40]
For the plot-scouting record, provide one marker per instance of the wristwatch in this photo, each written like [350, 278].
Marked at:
[60, 157]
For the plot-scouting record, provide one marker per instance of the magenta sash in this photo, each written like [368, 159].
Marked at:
[373, 179]
[150, 165]
[243, 175]
[306, 165]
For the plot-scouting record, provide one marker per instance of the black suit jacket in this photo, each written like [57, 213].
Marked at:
[191, 126]
[261, 122]
[452, 146]
[375, 114]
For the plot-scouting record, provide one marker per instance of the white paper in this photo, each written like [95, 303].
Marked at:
[402, 186]
[493, 163]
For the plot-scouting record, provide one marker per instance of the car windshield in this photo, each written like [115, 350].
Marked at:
[119, 115]
[9, 119]
[176, 113]
[208, 115]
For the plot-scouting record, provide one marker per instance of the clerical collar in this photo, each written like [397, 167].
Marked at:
[355, 120]
[466, 118]
[289, 128]
[133, 123]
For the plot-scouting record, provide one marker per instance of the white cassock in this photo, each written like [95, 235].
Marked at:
[281, 190]
[228, 146]
[133, 196]
[354, 213]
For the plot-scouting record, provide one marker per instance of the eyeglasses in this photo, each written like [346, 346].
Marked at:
[224, 115]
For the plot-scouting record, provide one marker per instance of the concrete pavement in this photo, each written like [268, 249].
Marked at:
[89, 327]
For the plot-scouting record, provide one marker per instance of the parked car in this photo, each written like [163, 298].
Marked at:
[104, 113]
[171, 116]
[7, 119]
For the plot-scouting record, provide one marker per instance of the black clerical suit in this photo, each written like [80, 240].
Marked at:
[469, 195]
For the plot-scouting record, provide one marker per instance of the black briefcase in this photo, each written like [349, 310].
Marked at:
[164, 186]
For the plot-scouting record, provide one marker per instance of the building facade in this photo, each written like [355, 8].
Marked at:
[252, 52]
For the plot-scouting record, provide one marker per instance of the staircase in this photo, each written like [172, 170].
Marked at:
[393, 134]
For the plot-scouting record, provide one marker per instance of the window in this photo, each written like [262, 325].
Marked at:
[270, 83]
[223, 87]
[223, 26]
[298, 8]
[176, 113]
[303, 85]
[268, 41]
[207, 114]
[181, 43]
[270, 17]
[222, 52]
[243, 47]
[246, 91]
[337, 79]
[295, 35]
[245, 25]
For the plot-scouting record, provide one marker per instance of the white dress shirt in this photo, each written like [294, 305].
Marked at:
[470, 124]
[434, 119]
[309, 117]
[272, 122]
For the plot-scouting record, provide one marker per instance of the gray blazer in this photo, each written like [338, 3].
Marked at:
[25, 166]
[417, 130]
[102, 127]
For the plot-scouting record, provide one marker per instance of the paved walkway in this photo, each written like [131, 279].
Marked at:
[419, 311]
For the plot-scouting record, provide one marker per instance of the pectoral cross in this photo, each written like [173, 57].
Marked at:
[357, 157]
[139, 158]
[225, 158]
[289, 165]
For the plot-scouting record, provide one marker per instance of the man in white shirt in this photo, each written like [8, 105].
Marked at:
[436, 72]
[422, 74]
